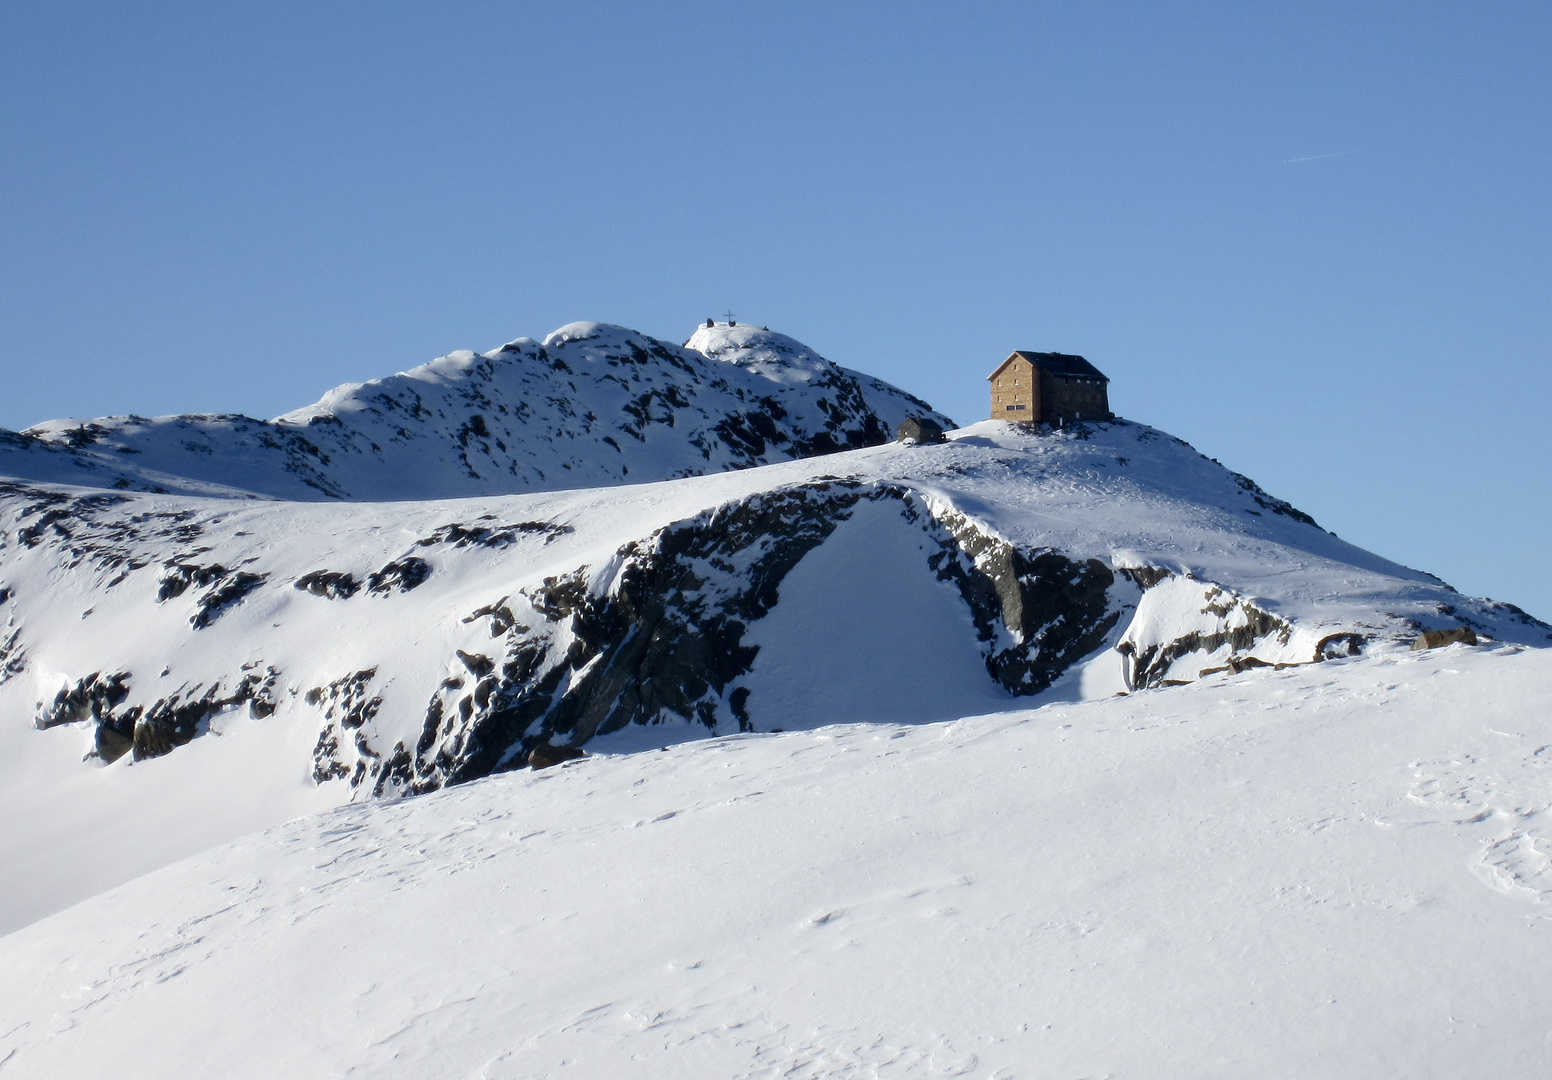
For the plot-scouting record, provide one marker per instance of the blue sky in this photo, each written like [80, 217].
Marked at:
[1313, 240]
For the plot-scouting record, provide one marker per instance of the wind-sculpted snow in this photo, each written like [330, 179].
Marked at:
[432, 643]
[591, 405]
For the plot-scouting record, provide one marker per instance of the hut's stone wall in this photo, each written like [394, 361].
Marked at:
[1072, 399]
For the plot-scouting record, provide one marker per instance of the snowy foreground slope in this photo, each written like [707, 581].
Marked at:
[1336, 870]
[592, 404]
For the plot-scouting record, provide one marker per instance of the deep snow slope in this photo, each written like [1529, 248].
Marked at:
[157, 650]
[1335, 870]
[592, 404]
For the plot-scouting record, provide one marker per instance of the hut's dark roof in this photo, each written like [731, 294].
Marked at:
[1062, 364]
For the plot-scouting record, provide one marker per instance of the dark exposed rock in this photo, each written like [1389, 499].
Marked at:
[1056, 610]
[56, 516]
[154, 729]
[225, 588]
[492, 536]
[93, 529]
[500, 615]
[13, 658]
[330, 584]
[347, 706]
[261, 691]
[401, 574]
[1145, 577]
[88, 698]
[174, 720]
[213, 604]
[1270, 502]
[1498, 608]
[665, 639]
[1238, 664]
[178, 578]
[543, 756]
[479, 666]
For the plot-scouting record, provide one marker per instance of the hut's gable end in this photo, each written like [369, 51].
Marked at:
[1016, 390]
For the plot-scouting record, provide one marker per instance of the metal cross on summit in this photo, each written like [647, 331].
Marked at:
[730, 318]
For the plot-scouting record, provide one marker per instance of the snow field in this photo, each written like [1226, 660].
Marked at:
[863, 630]
[1336, 871]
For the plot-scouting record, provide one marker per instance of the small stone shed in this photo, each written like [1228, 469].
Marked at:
[1049, 388]
[916, 430]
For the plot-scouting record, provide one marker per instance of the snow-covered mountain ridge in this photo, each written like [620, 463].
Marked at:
[592, 404]
[437, 641]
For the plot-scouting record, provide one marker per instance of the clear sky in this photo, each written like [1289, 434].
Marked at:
[1314, 240]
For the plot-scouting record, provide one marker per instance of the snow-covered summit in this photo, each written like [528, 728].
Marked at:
[593, 404]
[775, 356]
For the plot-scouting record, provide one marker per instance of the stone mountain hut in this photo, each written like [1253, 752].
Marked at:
[1049, 388]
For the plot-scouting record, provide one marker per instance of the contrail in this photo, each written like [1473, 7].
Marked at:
[1317, 157]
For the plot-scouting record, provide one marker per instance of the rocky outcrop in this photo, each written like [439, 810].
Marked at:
[223, 588]
[163, 725]
[659, 632]
[1038, 612]
[93, 530]
[329, 584]
[545, 756]
[13, 658]
[401, 575]
[347, 705]
[1434, 639]
[1181, 617]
